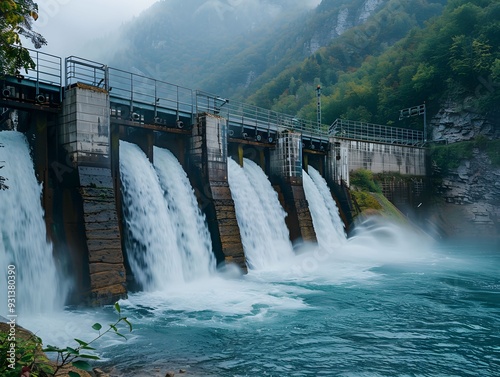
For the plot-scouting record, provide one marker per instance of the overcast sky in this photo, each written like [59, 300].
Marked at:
[68, 25]
[72, 27]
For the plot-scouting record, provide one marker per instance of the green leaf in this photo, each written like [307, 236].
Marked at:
[83, 365]
[97, 326]
[73, 374]
[93, 357]
[51, 349]
[72, 351]
[26, 358]
[123, 336]
[114, 328]
[117, 307]
[81, 342]
[88, 348]
[128, 323]
[83, 345]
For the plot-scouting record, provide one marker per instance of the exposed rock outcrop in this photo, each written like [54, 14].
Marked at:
[27, 339]
[453, 124]
[470, 193]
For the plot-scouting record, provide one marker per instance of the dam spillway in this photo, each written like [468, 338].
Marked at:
[77, 133]
[23, 236]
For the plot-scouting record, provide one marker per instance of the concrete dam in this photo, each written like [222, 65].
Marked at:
[145, 182]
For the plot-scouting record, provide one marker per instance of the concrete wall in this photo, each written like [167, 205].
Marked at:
[84, 124]
[337, 162]
[286, 158]
[383, 158]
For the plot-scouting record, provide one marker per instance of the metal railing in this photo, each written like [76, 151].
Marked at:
[348, 129]
[138, 91]
[155, 94]
[79, 70]
[47, 71]
[246, 115]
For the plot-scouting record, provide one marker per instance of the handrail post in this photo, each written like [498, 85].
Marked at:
[106, 78]
[37, 88]
[60, 80]
[131, 94]
[155, 101]
[177, 102]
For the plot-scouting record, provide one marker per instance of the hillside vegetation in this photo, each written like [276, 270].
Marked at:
[371, 57]
[456, 54]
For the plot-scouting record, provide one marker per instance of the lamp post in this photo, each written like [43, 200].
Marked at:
[318, 93]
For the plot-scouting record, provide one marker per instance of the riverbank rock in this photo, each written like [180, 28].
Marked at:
[27, 337]
[99, 373]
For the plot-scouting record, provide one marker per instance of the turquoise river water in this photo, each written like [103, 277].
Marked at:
[430, 314]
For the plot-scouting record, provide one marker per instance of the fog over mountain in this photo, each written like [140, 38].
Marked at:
[235, 47]
[180, 41]
[71, 26]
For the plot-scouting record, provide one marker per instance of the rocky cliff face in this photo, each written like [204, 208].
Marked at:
[470, 194]
[342, 19]
[455, 123]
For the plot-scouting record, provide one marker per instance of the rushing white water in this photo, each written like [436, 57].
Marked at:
[193, 237]
[23, 237]
[161, 246]
[324, 212]
[260, 216]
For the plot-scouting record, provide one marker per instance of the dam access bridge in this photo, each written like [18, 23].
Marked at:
[76, 112]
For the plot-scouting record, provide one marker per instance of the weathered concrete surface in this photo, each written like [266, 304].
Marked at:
[286, 176]
[383, 158]
[84, 124]
[105, 257]
[298, 220]
[208, 174]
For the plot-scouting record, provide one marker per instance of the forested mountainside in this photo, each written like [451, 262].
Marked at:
[454, 56]
[235, 48]
[337, 37]
[371, 57]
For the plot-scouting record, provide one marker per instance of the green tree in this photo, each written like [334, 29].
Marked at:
[16, 18]
[469, 56]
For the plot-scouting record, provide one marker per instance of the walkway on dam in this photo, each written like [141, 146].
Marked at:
[153, 103]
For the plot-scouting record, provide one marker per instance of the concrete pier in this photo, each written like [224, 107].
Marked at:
[85, 136]
[208, 154]
[286, 176]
